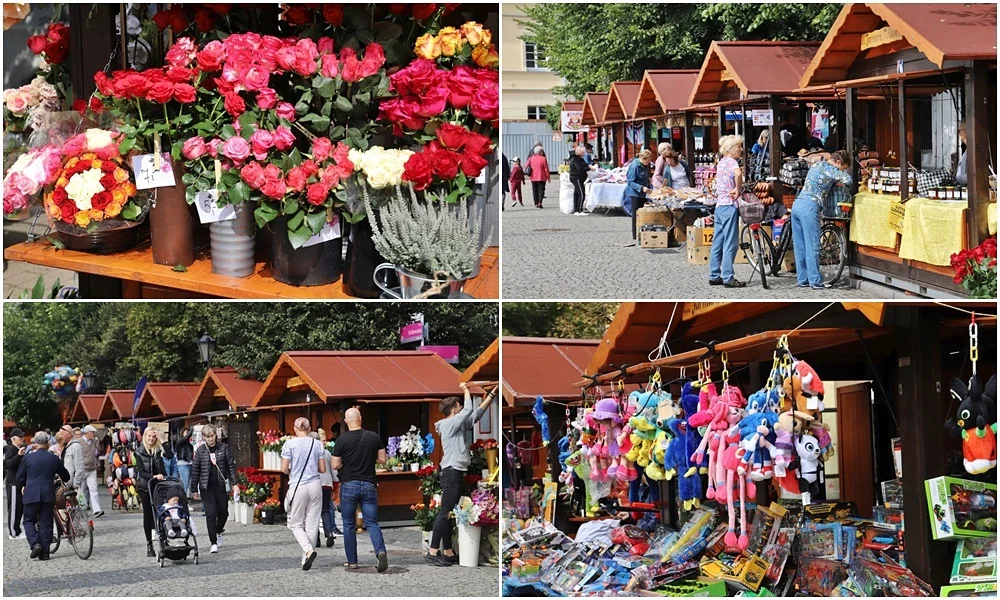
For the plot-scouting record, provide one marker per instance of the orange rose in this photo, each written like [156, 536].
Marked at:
[53, 209]
[72, 162]
[119, 196]
[129, 188]
[96, 215]
[486, 57]
[476, 35]
[428, 46]
[82, 218]
[451, 41]
[113, 209]
[62, 181]
[88, 156]
[96, 164]
[121, 176]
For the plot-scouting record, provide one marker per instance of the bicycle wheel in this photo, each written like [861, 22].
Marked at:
[758, 250]
[81, 535]
[832, 252]
[56, 535]
[760, 254]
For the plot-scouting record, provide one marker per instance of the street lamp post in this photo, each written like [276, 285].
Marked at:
[206, 347]
[89, 380]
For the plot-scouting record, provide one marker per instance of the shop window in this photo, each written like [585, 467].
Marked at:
[536, 113]
[534, 57]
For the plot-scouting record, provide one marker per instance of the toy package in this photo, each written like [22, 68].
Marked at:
[970, 590]
[819, 576]
[766, 522]
[829, 511]
[889, 516]
[975, 561]
[961, 508]
[897, 456]
[820, 540]
[750, 574]
[892, 493]
[777, 553]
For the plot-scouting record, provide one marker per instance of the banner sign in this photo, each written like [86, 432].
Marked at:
[572, 121]
[414, 332]
[448, 353]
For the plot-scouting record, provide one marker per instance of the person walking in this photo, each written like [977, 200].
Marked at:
[13, 454]
[213, 472]
[637, 186]
[725, 242]
[537, 169]
[455, 431]
[326, 481]
[149, 468]
[302, 461]
[354, 457]
[676, 173]
[807, 212]
[36, 477]
[505, 178]
[578, 169]
[516, 180]
[80, 458]
[184, 453]
[169, 457]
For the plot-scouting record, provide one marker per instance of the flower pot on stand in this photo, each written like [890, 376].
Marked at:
[414, 467]
[362, 259]
[233, 243]
[492, 456]
[267, 516]
[468, 545]
[413, 284]
[171, 225]
[313, 265]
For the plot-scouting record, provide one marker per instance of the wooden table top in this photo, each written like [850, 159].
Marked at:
[137, 265]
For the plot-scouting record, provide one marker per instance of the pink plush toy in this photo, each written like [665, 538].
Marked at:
[733, 404]
[607, 421]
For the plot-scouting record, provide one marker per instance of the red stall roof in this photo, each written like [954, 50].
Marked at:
[121, 401]
[756, 68]
[593, 107]
[546, 367]
[664, 91]
[362, 375]
[939, 31]
[486, 367]
[222, 389]
[572, 105]
[167, 399]
[96, 408]
[621, 102]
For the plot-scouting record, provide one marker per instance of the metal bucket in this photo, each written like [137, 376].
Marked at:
[233, 244]
[413, 284]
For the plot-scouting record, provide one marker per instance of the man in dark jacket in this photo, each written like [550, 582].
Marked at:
[184, 453]
[13, 452]
[36, 476]
[504, 178]
[578, 169]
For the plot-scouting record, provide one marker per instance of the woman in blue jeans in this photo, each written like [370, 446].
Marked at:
[807, 212]
[184, 454]
[725, 240]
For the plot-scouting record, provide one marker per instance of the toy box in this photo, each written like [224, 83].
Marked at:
[975, 561]
[830, 511]
[892, 493]
[750, 576]
[970, 590]
[818, 576]
[961, 508]
[702, 587]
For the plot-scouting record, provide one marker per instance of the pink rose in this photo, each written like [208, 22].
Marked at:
[373, 60]
[433, 101]
[462, 84]
[485, 104]
[236, 149]
[261, 141]
[296, 178]
[211, 56]
[182, 52]
[329, 66]
[253, 175]
[284, 139]
[325, 45]
[317, 194]
[274, 189]
[267, 98]
[255, 78]
[75, 146]
[213, 147]
[194, 148]
[321, 148]
[285, 111]
[285, 58]
[17, 103]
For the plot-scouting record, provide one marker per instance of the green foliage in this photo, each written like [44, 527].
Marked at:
[593, 45]
[122, 341]
[38, 291]
[581, 320]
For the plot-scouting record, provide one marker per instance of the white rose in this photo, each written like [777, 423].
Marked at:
[82, 187]
[98, 138]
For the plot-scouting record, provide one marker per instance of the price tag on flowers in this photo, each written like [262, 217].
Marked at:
[330, 231]
[148, 176]
[209, 210]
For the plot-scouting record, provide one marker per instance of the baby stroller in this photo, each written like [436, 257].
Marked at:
[172, 548]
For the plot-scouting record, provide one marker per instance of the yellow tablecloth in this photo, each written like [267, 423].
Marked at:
[933, 230]
[870, 223]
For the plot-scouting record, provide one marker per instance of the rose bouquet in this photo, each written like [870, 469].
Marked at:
[270, 441]
[26, 178]
[26, 106]
[93, 190]
[52, 47]
[254, 486]
[424, 515]
[976, 269]
[430, 480]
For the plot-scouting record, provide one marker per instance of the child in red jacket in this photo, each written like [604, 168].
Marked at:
[516, 179]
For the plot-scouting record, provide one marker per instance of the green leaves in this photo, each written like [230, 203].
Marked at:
[227, 132]
[126, 145]
[264, 214]
[343, 104]
[131, 211]
[179, 268]
[239, 193]
[56, 242]
[325, 87]
[302, 106]
[298, 236]
[317, 123]
[316, 220]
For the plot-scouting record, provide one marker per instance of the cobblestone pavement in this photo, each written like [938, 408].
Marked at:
[547, 254]
[254, 560]
[20, 276]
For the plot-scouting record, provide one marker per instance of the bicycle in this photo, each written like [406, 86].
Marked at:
[832, 247]
[73, 524]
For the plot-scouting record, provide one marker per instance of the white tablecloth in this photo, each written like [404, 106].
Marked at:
[605, 195]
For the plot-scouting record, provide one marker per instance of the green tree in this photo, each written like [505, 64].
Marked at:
[584, 320]
[593, 45]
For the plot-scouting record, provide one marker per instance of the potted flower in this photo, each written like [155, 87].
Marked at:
[424, 515]
[976, 269]
[268, 510]
[411, 448]
[471, 514]
[430, 481]
[394, 465]
[270, 443]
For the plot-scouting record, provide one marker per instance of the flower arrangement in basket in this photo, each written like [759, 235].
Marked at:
[254, 486]
[976, 269]
[425, 514]
[479, 510]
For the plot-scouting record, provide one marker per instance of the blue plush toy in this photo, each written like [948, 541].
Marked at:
[689, 402]
[677, 461]
[757, 435]
[543, 419]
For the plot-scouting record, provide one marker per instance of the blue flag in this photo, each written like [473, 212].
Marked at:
[139, 389]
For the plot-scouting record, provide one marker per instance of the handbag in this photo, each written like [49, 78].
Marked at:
[289, 498]
[527, 170]
[225, 480]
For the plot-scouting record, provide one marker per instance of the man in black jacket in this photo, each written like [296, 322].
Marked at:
[578, 169]
[13, 452]
[36, 476]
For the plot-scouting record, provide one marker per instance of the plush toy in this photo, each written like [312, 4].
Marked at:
[757, 437]
[655, 470]
[789, 424]
[542, 419]
[713, 419]
[804, 388]
[976, 423]
[676, 460]
[730, 454]
[690, 402]
[605, 453]
[807, 447]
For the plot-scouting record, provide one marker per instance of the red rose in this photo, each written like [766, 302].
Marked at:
[478, 144]
[108, 166]
[211, 56]
[103, 83]
[131, 85]
[462, 85]
[333, 14]
[317, 194]
[433, 102]
[219, 9]
[204, 20]
[173, 18]
[373, 60]
[296, 178]
[472, 164]
[68, 211]
[417, 78]
[418, 171]
[80, 106]
[423, 11]
[399, 9]
[275, 189]
[321, 148]
[161, 92]
[234, 105]
[59, 196]
[402, 112]
[184, 93]
[96, 105]
[101, 200]
[253, 175]
[485, 104]
[297, 15]
[37, 43]
[108, 181]
[445, 164]
[267, 98]
[452, 136]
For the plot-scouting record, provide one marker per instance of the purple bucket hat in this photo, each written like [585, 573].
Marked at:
[607, 409]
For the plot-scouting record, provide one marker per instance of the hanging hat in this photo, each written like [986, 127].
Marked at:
[606, 409]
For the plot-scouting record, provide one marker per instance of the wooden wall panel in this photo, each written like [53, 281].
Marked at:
[857, 469]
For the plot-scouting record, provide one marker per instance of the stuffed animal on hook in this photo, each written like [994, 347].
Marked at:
[676, 461]
[730, 454]
[804, 388]
[714, 420]
[807, 447]
[654, 471]
[690, 403]
[606, 420]
[789, 424]
[976, 423]
[757, 437]
[538, 411]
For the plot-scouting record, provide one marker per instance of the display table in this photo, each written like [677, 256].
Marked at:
[933, 230]
[139, 278]
[605, 195]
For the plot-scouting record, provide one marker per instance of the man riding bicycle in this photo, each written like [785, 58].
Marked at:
[36, 476]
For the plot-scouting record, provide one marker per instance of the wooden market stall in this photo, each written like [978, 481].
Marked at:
[392, 389]
[593, 112]
[121, 402]
[166, 400]
[485, 370]
[92, 408]
[663, 96]
[226, 399]
[926, 66]
[618, 113]
[891, 373]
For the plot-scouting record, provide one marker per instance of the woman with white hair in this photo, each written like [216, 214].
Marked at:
[302, 460]
[661, 162]
[725, 243]
[213, 472]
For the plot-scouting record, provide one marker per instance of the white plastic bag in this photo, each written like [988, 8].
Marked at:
[565, 194]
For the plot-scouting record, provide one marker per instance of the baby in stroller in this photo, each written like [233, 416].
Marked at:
[173, 517]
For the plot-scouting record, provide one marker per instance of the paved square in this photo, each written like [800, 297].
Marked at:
[547, 254]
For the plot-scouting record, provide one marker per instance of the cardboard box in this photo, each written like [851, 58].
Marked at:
[700, 236]
[960, 508]
[653, 239]
[970, 590]
[698, 255]
[975, 561]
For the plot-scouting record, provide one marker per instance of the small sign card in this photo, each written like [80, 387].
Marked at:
[209, 211]
[762, 117]
[149, 175]
[329, 232]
